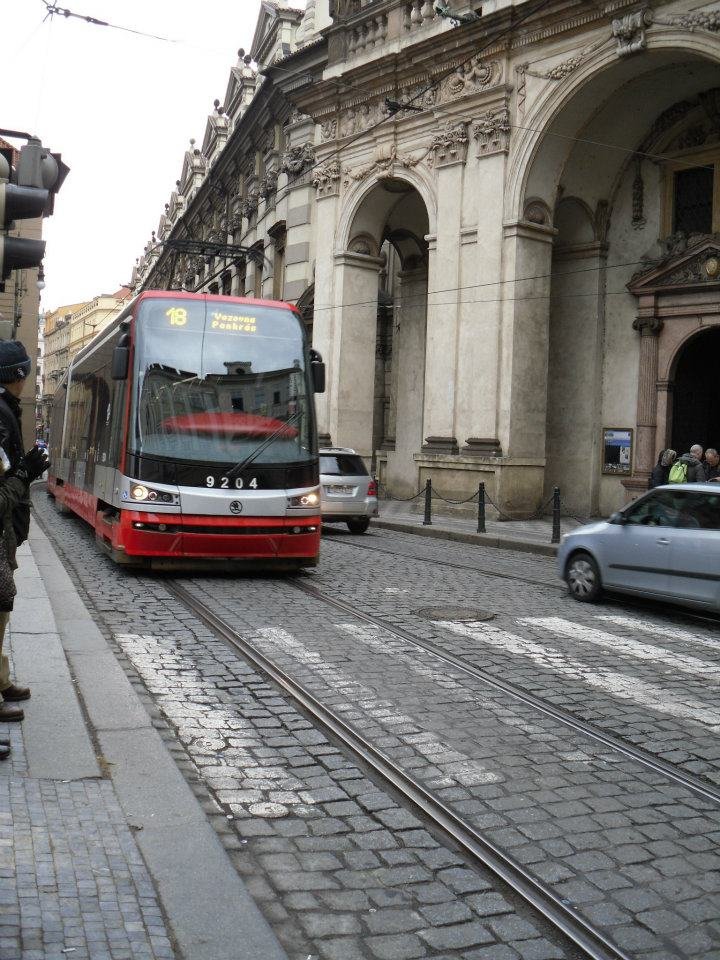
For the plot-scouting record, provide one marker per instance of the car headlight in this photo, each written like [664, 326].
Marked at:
[311, 499]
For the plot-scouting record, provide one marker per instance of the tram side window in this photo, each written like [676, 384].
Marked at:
[78, 432]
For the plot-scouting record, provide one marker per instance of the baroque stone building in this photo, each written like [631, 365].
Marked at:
[502, 229]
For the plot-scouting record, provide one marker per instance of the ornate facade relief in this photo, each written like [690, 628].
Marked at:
[268, 184]
[328, 130]
[327, 178]
[297, 159]
[629, 31]
[365, 244]
[384, 161]
[701, 20]
[470, 78]
[492, 132]
[451, 144]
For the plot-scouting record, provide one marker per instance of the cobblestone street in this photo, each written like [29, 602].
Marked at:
[337, 863]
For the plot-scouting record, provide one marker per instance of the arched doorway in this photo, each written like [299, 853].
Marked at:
[695, 393]
[382, 275]
[602, 182]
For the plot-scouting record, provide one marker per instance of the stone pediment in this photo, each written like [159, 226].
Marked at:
[691, 264]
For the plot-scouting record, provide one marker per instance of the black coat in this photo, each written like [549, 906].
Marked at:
[658, 476]
[12, 443]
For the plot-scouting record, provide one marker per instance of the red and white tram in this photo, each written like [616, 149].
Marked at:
[185, 431]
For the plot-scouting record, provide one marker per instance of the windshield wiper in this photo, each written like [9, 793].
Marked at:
[266, 443]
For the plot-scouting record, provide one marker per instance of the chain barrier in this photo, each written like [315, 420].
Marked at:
[482, 498]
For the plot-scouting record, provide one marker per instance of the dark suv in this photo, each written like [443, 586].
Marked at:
[348, 494]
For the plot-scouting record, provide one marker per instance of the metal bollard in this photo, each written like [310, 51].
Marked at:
[556, 516]
[427, 519]
[481, 508]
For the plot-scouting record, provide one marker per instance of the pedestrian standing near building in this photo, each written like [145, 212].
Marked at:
[17, 470]
[661, 470]
[689, 467]
[712, 464]
[14, 487]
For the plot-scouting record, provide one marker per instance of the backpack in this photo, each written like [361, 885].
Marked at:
[678, 472]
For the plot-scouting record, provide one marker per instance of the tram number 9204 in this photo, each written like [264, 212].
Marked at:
[230, 483]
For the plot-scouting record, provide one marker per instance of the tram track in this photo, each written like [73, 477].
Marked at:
[586, 937]
[697, 786]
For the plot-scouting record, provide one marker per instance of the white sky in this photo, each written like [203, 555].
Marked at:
[121, 110]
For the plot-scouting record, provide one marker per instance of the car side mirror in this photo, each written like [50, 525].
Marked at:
[619, 518]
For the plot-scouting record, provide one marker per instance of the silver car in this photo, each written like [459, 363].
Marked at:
[348, 494]
[666, 545]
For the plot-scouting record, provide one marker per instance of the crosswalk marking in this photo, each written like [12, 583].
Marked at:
[672, 633]
[700, 669]
[601, 678]
[455, 766]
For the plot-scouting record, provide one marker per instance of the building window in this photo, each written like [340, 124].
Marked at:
[226, 283]
[692, 194]
[693, 200]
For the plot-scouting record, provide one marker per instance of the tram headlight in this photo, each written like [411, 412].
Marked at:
[140, 493]
[311, 499]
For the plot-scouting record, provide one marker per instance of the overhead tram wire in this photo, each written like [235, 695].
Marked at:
[53, 8]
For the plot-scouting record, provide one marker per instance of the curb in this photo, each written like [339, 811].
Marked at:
[481, 539]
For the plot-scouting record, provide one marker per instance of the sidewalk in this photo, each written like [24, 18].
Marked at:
[530, 536]
[105, 852]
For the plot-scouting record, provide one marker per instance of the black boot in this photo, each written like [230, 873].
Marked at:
[10, 713]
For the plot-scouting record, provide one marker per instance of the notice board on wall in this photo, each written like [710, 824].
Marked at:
[617, 445]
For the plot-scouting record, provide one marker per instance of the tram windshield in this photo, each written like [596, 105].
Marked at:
[221, 381]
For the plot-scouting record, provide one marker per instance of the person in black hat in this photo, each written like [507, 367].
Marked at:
[15, 508]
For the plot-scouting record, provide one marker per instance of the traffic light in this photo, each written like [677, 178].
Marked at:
[25, 193]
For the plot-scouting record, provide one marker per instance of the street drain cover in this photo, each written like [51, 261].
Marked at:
[455, 613]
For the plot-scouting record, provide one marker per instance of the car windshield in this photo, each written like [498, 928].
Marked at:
[221, 381]
[340, 464]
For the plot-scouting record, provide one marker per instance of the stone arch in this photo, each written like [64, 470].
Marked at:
[602, 76]
[576, 157]
[358, 191]
[381, 277]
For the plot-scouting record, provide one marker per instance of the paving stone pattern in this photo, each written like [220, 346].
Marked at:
[72, 882]
[406, 585]
[582, 818]
[633, 852]
[338, 867]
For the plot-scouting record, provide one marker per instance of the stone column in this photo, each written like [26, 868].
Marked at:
[326, 180]
[353, 381]
[450, 148]
[408, 362]
[648, 328]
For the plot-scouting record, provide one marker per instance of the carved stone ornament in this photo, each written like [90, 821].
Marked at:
[701, 20]
[693, 270]
[629, 31]
[648, 326]
[235, 222]
[328, 130]
[492, 132]
[470, 77]
[361, 117]
[296, 159]
[268, 184]
[365, 244]
[386, 158]
[249, 205]
[537, 211]
[326, 178]
[562, 69]
[450, 145]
